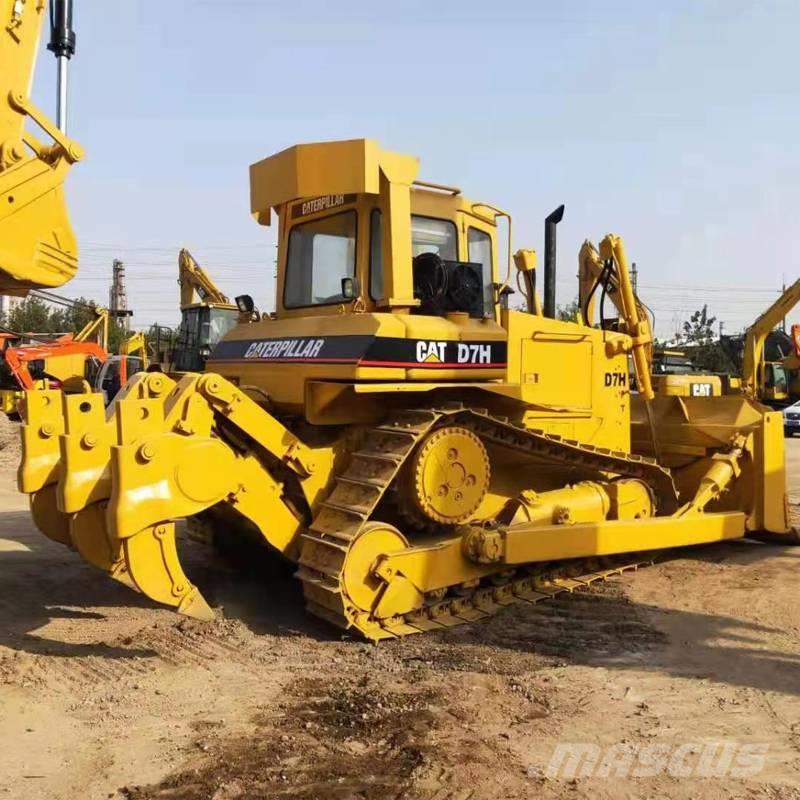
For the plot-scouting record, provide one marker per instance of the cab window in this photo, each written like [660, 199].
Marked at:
[429, 235]
[479, 245]
[321, 253]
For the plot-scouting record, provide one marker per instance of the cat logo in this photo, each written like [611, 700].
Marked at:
[431, 352]
[701, 390]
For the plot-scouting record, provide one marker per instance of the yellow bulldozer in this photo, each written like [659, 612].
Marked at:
[422, 452]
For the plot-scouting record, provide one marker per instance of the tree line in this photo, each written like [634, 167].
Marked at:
[34, 316]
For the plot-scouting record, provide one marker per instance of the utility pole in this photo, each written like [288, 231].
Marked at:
[118, 297]
[634, 278]
[721, 328]
[783, 291]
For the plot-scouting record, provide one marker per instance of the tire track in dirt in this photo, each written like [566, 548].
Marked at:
[147, 651]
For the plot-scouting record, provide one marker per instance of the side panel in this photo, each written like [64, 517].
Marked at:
[569, 382]
[557, 372]
[281, 356]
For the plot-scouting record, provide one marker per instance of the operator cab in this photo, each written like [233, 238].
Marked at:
[201, 328]
[334, 249]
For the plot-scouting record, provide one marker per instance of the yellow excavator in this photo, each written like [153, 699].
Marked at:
[135, 345]
[423, 453]
[771, 381]
[206, 316]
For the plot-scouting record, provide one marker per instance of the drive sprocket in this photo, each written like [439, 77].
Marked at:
[448, 476]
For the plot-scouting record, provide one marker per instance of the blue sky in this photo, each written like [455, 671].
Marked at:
[674, 124]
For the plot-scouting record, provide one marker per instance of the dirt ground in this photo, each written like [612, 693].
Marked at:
[104, 695]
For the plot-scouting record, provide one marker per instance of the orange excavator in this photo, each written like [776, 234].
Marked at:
[64, 362]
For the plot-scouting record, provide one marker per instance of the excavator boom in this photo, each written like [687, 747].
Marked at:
[37, 244]
[193, 279]
[753, 371]
[96, 328]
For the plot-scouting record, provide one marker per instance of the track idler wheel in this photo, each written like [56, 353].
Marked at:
[151, 557]
[374, 601]
[362, 587]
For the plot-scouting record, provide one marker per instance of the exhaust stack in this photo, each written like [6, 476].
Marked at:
[550, 223]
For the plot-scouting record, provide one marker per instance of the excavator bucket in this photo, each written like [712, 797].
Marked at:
[38, 248]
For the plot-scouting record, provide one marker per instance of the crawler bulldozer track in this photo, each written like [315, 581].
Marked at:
[336, 551]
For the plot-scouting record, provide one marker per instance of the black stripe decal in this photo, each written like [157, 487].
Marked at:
[366, 351]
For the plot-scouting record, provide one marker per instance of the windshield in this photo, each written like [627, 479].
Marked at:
[428, 235]
[220, 321]
[776, 378]
[321, 253]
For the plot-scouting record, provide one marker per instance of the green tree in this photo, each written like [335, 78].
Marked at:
[116, 335]
[700, 338]
[32, 315]
[568, 312]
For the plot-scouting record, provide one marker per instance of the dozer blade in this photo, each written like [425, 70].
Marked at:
[48, 519]
[692, 429]
[151, 557]
[87, 529]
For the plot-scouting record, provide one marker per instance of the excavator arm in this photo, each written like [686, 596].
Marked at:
[135, 343]
[193, 279]
[96, 328]
[756, 336]
[38, 247]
